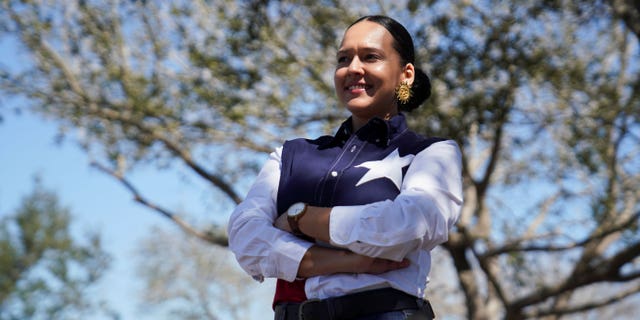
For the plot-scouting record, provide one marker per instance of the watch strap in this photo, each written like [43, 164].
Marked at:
[294, 221]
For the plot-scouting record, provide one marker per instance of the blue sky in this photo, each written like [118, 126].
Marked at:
[28, 149]
[97, 201]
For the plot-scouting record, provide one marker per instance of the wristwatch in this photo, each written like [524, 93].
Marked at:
[294, 213]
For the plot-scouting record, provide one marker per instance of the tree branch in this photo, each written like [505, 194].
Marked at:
[537, 314]
[217, 237]
[517, 245]
[629, 12]
[614, 265]
[605, 270]
[75, 86]
[457, 247]
[488, 268]
[171, 146]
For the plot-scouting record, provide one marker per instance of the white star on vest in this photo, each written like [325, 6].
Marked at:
[390, 167]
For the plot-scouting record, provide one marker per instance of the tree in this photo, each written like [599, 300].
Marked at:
[44, 272]
[190, 279]
[629, 12]
[542, 97]
[531, 118]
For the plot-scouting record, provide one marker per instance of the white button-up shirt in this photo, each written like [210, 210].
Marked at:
[407, 224]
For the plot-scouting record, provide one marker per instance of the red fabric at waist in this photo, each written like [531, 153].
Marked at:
[289, 292]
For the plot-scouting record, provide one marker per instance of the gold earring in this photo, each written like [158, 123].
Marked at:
[403, 92]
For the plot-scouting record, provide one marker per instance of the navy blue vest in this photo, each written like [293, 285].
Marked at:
[323, 172]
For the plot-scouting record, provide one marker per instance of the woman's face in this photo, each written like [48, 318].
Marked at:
[368, 71]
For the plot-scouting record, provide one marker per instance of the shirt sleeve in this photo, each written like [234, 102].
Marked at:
[261, 249]
[421, 216]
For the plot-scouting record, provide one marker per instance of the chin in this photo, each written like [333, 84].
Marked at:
[356, 109]
[357, 105]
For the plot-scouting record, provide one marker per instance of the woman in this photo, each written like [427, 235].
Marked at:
[346, 222]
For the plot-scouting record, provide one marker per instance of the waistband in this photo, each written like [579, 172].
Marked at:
[354, 305]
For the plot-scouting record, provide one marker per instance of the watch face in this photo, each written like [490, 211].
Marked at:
[295, 209]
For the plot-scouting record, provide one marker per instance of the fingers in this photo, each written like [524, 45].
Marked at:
[282, 223]
[398, 264]
[383, 265]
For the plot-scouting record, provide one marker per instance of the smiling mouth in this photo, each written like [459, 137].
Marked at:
[355, 88]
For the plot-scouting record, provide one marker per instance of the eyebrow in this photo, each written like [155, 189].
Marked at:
[343, 51]
[365, 49]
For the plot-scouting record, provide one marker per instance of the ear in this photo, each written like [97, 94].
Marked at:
[409, 73]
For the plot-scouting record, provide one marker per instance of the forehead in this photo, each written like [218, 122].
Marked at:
[367, 34]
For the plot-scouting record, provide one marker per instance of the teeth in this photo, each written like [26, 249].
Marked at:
[357, 86]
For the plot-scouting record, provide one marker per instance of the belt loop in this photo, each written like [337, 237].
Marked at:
[304, 305]
[331, 308]
[425, 306]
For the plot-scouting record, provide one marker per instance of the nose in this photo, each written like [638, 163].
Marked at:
[355, 66]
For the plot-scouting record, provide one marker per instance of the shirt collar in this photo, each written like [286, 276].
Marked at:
[376, 131]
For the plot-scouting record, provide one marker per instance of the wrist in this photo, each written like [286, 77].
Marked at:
[325, 261]
[359, 263]
[347, 262]
[294, 215]
[315, 223]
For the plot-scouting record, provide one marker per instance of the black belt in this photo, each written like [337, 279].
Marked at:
[355, 305]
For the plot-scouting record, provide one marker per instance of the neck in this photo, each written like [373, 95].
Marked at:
[358, 122]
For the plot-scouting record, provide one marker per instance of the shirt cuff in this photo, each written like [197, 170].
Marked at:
[285, 258]
[344, 216]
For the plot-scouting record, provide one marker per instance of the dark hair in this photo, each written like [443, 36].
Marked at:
[403, 44]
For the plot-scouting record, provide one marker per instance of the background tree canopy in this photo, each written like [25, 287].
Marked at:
[44, 272]
[543, 97]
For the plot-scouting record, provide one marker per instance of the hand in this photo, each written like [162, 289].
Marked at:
[378, 265]
[319, 260]
[282, 223]
[314, 224]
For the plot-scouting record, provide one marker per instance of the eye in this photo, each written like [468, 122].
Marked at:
[342, 59]
[371, 57]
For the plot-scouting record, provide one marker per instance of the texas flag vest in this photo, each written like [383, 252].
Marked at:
[345, 169]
